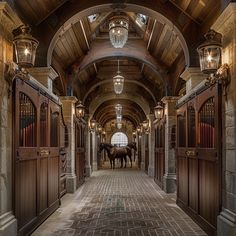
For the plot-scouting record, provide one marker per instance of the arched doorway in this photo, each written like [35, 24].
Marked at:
[119, 139]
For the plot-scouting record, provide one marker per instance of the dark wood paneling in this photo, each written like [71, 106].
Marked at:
[43, 182]
[27, 191]
[159, 165]
[193, 184]
[80, 153]
[53, 179]
[36, 163]
[198, 158]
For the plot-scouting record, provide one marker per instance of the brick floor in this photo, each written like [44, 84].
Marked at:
[122, 202]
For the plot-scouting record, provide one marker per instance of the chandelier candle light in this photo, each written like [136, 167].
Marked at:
[118, 82]
[118, 31]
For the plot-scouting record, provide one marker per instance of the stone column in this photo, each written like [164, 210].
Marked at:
[44, 75]
[151, 145]
[8, 22]
[88, 169]
[68, 108]
[226, 25]
[94, 148]
[142, 143]
[169, 179]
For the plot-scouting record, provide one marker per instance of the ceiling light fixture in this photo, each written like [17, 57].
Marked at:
[118, 81]
[118, 31]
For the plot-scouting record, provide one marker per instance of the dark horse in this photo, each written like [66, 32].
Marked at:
[132, 145]
[116, 152]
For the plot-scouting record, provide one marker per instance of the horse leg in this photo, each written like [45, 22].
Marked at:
[130, 157]
[121, 162]
[113, 163]
[125, 160]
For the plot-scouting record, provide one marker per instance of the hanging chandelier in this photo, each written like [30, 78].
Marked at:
[118, 108]
[118, 81]
[118, 31]
[119, 125]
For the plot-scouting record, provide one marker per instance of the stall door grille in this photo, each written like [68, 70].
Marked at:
[80, 153]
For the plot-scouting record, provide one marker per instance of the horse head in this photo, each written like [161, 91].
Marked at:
[105, 146]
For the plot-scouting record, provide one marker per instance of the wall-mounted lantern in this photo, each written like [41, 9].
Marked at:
[134, 134]
[210, 59]
[25, 46]
[145, 126]
[92, 125]
[25, 50]
[159, 111]
[139, 130]
[99, 129]
[80, 110]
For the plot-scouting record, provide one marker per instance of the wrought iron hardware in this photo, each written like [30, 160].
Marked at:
[44, 152]
[190, 153]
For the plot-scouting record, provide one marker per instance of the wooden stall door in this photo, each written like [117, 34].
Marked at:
[36, 162]
[80, 153]
[139, 152]
[198, 157]
[146, 153]
[159, 170]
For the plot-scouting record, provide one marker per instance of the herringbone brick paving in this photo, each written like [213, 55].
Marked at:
[121, 202]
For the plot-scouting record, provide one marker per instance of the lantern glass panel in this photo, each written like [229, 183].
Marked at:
[118, 81]
[158, 111]
[209, 59]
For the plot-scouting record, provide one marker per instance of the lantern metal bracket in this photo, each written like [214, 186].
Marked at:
[13, 71]
[221, 77]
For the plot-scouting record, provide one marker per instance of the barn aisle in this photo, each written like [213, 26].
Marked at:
[122, 202]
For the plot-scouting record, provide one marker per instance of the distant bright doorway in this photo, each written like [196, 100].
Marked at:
[119, 139]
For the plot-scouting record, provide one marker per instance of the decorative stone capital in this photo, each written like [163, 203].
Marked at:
[43, 72]
[68, 107]
[44, 75]
[193, 76]
[151, 117]
[225, 24]
[169, 99]
[170, 103]
[8, 19]
[69, 99]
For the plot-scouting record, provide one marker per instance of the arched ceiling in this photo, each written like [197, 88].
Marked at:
[75, 42]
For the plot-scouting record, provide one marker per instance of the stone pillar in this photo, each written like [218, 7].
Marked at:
[151, 145]
[88, 169]
[193, 76]
[8, 22]
[94, 148]
[226, 25]
[142, 143]
[44, 75]
[169, 179]
[68, 108]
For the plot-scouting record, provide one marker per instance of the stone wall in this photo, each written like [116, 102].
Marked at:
[8, 21]
[226, 25]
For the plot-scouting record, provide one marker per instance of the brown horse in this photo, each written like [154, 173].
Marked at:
[116, 152]
[132, 145]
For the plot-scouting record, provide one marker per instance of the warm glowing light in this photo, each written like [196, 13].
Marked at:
[26, 51]
[118, 31]
[209, 58]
